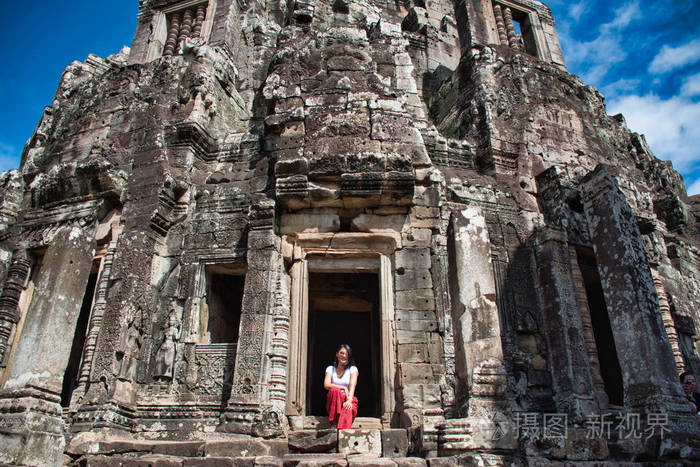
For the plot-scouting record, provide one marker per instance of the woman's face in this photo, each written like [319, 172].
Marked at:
[689, 385]
[342, 356]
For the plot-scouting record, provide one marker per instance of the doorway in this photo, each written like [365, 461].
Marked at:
[344, 308]
[610, 369]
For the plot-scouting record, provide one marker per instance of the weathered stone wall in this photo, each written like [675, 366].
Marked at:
[500, 209]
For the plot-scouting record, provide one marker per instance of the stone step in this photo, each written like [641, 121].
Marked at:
[313, 422]
[291, 460]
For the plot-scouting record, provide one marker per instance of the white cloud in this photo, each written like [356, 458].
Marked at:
[691, 85]
[9, 157]
[621, 86]
[694, 188]
[668, 124]
[624, 16]
[576, 10]
[670, 58]
[596, 57]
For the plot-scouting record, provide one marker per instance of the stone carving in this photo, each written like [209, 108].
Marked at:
[215, 365]
[129, 349]
[165, 356]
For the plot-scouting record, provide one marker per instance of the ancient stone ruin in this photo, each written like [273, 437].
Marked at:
[200, 219]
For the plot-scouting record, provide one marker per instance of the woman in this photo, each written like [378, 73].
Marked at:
[340, 382]
[688, 383]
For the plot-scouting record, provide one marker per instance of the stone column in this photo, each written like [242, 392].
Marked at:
[186, 27]
[563, 329]
[500, 24]
[248, 410]
[44, 346]
[199, 20]
[9, 300]
[173, 33]
[510, 28]
[473, 298]
[667, 319]
[649, 371]
[479, 365]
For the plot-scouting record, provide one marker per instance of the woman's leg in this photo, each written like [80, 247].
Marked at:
[347, 416]
[334, 404]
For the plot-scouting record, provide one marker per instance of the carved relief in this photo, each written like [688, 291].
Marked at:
[165, 357]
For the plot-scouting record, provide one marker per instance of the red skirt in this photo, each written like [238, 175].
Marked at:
[334, 406]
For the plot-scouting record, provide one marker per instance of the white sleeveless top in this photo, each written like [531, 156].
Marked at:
[345, 380]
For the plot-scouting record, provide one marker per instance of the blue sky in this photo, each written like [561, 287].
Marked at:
[644, 56]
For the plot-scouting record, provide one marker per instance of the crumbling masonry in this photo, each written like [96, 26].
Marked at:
[200, 219]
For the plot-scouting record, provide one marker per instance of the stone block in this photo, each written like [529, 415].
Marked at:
[418, 373]
[359, 460]
[375, 223]
[410, 462]
[426, 196]
[413, 258]
[394, 443]
[242, 447]
[411, 337]
[426, 325]
[412, 279]
[417, 238]
[367, 442]
[313, 440]
[421, 396]
[317, 221]
[268, 461]
[316, 460]
[420, 299]
[413, 353]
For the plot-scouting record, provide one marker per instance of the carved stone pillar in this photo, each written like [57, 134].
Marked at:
[259, 356]
[510, 28]
[473, 297]
[186, 28]
[9, 300]
[563, 329]
[667, 319]
[479, 361]
[649, 373]
[199, 20]
[173, 33]
[500, 24]
[588, 335]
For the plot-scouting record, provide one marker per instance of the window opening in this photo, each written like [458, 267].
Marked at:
[223, 304]
[515, 28]
[602, 331]
[344, 309]
[70, 377]
[183, 24]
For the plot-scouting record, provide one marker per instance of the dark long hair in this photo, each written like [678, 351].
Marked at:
[351, 361]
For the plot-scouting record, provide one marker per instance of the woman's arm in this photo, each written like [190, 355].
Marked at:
[351, 392]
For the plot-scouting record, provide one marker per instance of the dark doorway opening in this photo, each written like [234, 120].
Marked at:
[344, 309]
[602, 330]
[70, 377]
[224, 301]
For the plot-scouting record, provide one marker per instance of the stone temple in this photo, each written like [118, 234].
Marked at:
[199, 220]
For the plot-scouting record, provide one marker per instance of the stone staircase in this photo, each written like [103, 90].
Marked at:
[366, 445]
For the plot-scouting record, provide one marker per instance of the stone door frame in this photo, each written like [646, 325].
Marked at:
[338, 253]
